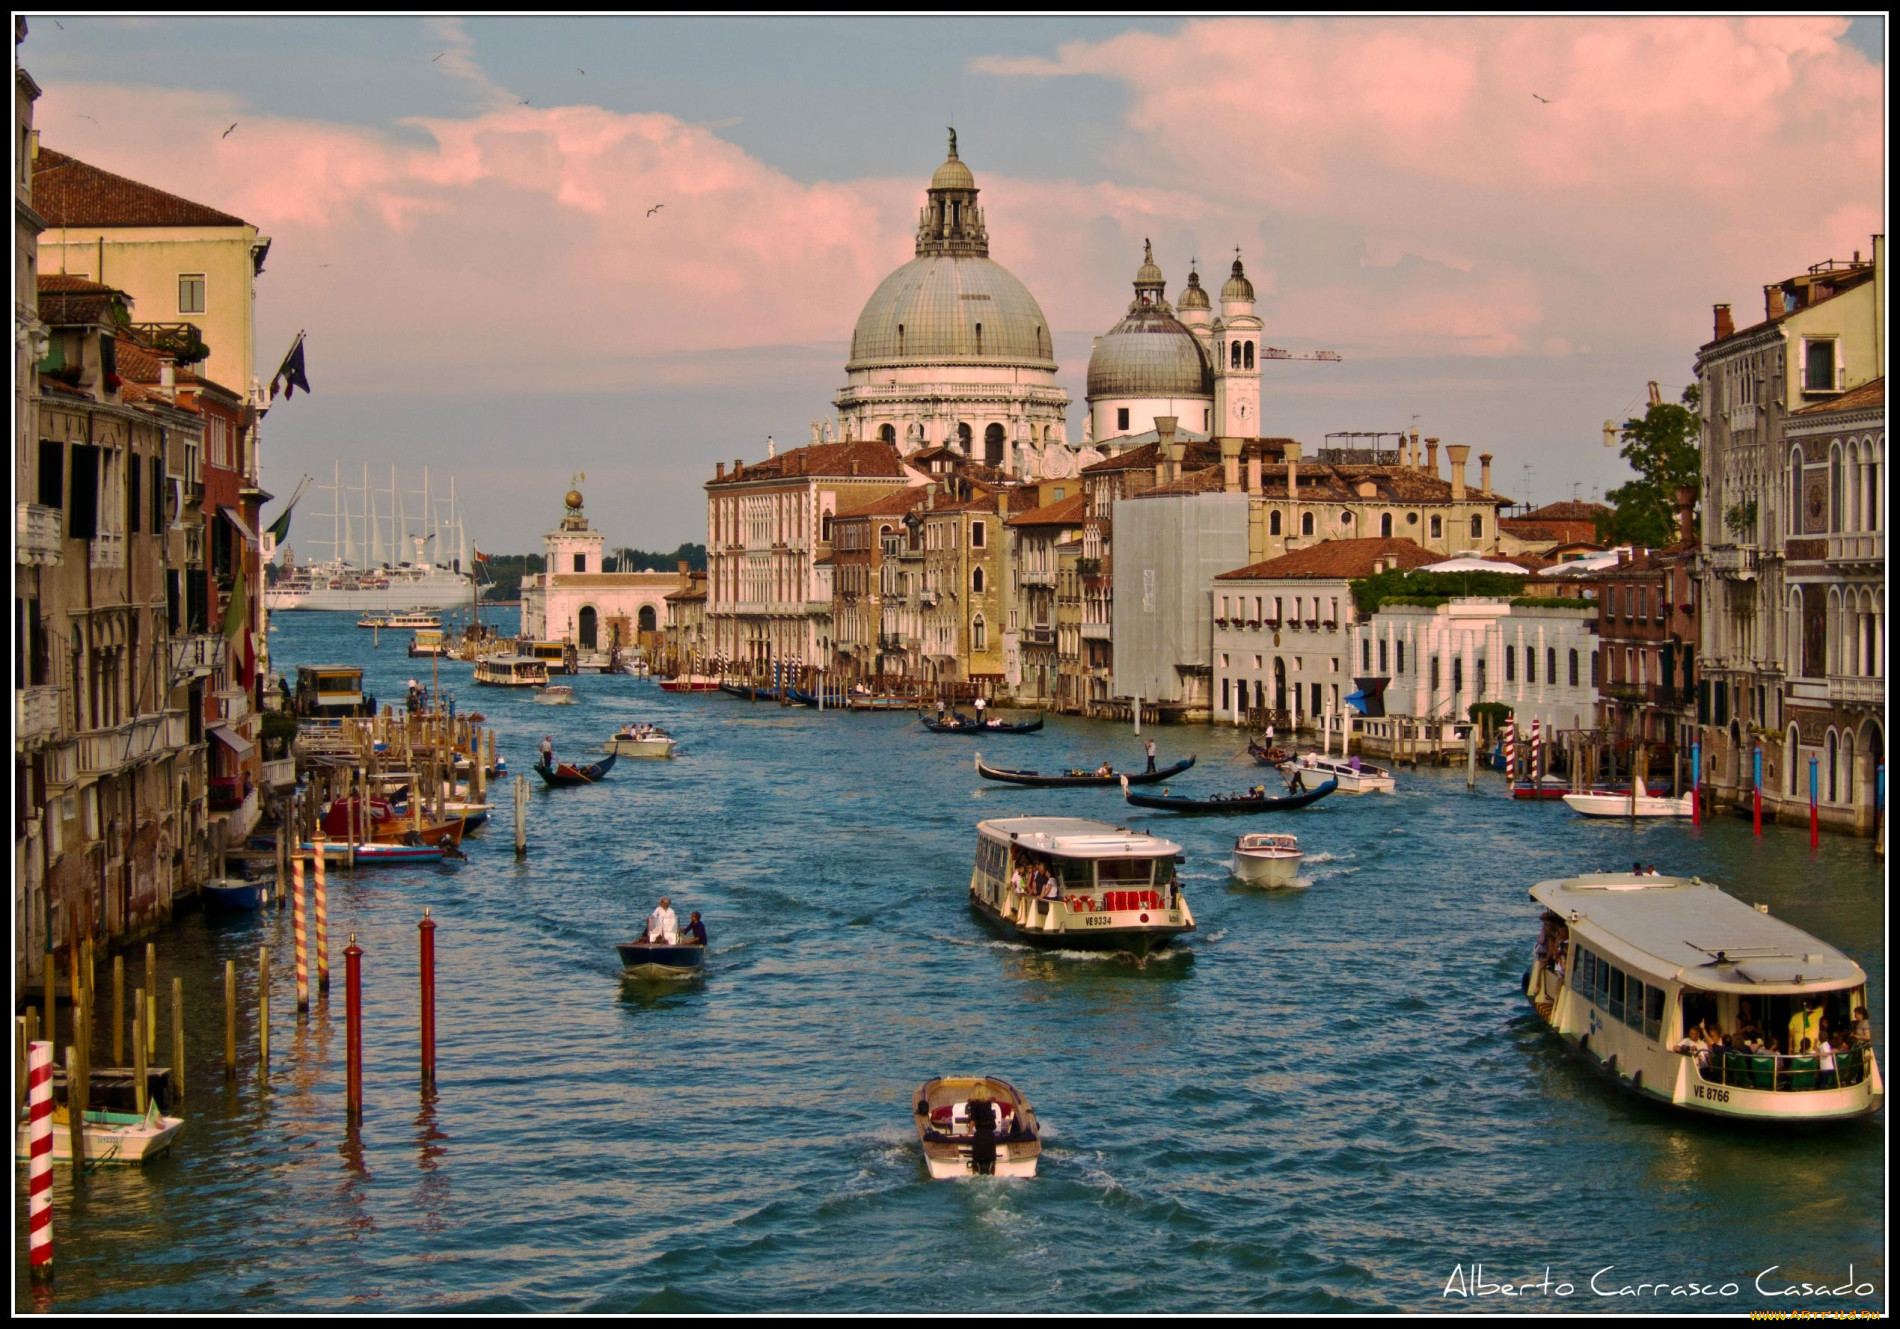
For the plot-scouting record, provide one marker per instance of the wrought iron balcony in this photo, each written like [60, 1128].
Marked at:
[38, 533]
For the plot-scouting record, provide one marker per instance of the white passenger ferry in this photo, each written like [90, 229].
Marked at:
[1678, 991]
[1113, 889]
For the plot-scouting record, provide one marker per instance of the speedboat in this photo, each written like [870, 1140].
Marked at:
[1354, 776]
[108, 1136]
[645, 741]
[1268, 858]
[689, 683]
[555, 694]
[1637, 802]
[1115, 889]
[660, 959]
[951, 1143]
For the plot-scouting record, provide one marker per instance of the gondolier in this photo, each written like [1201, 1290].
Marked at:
[547, 752]
[1151, 754]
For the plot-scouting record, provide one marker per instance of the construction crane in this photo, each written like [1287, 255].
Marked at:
[1275, 353]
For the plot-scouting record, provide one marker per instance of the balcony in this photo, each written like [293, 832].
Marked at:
[1089, 567]
[281, 773]
[1038, 577]
[39, 534]
[1735, 562]
[234, 702]
[108, 550]
[1850, 690]
[1097, 632]
[107, 751]
[1858, 547]
[35, 715]
[927, 597]
[62, 764]
[1039, 636]
[195, 656]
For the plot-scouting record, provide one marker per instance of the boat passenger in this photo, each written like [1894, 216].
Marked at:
[983, 1129]
[1151, 756]
[696, 930]
[1105, 770]
[1863, 1032]
[1829, 1078]
[663, 924]
[1051, 888]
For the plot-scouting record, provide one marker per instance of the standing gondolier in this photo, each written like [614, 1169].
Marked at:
[1151, 756]
[547, 752]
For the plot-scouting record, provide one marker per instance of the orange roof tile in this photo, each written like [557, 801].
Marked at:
[1335, 559]
[1064, 512]
[69, 192]
[875, 461]
[1873, 393]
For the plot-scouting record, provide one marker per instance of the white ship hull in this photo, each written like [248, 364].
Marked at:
[440, 590]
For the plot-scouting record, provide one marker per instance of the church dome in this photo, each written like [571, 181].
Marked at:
[953, 174]
[1237, 286]
[951, 307]
[1195, 295]
[1150, 353]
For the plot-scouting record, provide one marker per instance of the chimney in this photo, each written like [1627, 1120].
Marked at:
[686, 570]
[1685, 512]
[1431, 457]
[1484, 474]
[771, 447]
[854, 466]
[1724, 322]
[1170, 451]
[1458, 452]
[738, 468]
[1413, 461]
[1230, 465]
[1002, 503]
[1292, 470]
[719, 470]
[1253, 473]
[167, 378]
[930, 499]
[1771, 301]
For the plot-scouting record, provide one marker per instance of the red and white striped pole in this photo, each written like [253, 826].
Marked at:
[1537, 749]
[323, 923]
[39, 1081]
[297, 927]
[1510, 750]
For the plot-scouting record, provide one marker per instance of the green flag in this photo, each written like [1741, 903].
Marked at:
[237, 613]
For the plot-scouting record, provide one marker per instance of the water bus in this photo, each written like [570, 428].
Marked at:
[558, 656]
[428, 642]
[373, 621]
[412, 621]
[1678, 991]
[1354, 776]
[1114, 889]
[331, 692]
[999, 1139]
[511, 671]
[1267, 858]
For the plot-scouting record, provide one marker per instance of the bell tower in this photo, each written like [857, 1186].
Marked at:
[1237, 349]
[574, 545]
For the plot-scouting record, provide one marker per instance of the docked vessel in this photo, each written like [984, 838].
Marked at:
[1637, 801]
[1267, 858]
[428, 642]
[108, 1136]
[412, 622]
[975, 1125]
[646, 740]
[1676, 990]
[689, 683]
[1107, 887]
[1254, 800]
[1354, 776]
[340, 586]
[511, 671]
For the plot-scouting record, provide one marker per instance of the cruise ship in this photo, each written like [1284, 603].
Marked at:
[340, 586]
[368, 538]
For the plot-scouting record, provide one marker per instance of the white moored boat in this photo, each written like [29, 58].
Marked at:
[1112, 889]
[646, 740]
[109, 1137]
[1680, 992]
[1268, 858]
[1638, 802]
[555, 694]
[1354, 776]
[1002, 1140]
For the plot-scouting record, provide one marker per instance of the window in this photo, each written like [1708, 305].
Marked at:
[1573, 668]
[1510, 664]
[979, 634]
[1438, 528]
[1382, 657]
[1434, 674]
[52, 474]
[134, 498]
[1385, 525]
[1234, 356]
[191, 293]
[1273, 523]
[1248, 357]
[1306, 523]
[158, 494]
[1595, 680]
[1365, 655]
[82, 513]
[1477, 527]
[1457, 674]
[887, 434]
[580, 562]
[1121, 417]
[1530, 663]
[1818, 370]
[1399, 647]
[976, 580]
[976, 534]
[1550, 664]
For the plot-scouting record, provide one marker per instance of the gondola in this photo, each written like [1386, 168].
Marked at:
[1176, 803]
[565, 775]
[1267, 756]
[798, 698]
[964, 724]
[1072, 780]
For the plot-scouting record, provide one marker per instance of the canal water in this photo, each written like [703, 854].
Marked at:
[1333, 1099]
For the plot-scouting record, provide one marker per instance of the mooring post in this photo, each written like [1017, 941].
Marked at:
[1471, 757]
[139, 1086]
[1814, 801]
[263, 1013]
[230, 1019]
[353, 1043]
[148, 1027]
[521, 816]
[1758, 789]
[426, 929]
[178, 1041]
[297, 931]
[39, 1184]
[118, 1010]
[76, 1097]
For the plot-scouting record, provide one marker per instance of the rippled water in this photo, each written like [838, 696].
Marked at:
[1326, 1100]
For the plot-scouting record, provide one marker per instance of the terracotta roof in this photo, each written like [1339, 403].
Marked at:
[1568, 510]
[894, 504]
[1065, 512]
[1335, 559]
[1199, 452]
[1833, 284]
[1207, 480]
[1867, 394]
[67, 301]
[875, 460]
[69, 192]
[680, 597]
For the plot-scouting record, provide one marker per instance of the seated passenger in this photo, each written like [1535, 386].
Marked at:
[1105, 770]
[1051, 888]
[696, 930]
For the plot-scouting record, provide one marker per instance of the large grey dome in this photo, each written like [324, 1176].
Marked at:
[1149, 353]
[951, 307]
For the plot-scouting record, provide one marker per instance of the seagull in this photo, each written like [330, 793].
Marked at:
[437, 56]
[582, 72]
[323, 265]
[84, 116]
[1544, 100]
[655, 208]
[227, 133]
[523, 102]
[59, 25]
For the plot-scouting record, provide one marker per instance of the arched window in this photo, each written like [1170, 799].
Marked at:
[993, 445]
[1234, 355]
[887, 433]
[1273, 522]
[1306, 523]
[1477, 527]
[976, 580]
[979, 339]
[1836, 493]
[589, 628]
[1385, 525]
[1792, 759]
[979, 634]
[1833, 767]
[1248, 356]
[1573, 668]
[964, 437]
[1795, 523]
[1595, 680]
[649, 621]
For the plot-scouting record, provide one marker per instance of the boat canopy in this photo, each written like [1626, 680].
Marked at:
[1077, 837]
[1691, 930]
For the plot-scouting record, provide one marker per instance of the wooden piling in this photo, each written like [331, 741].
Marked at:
[178, 1041]
[148, 1028]
[521, 816]
[230, 1019]
[76, 1109]
[118, 1010]
[353, 1042]
[426, 931]
[323, 923]
[139, 1087]
[263, 1012]
[297, 932]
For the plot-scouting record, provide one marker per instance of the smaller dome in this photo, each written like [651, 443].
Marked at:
[1237, 286]
[1193, 295]
[573, 498]
[953, 174]
[1149, 354]
[1148, 274]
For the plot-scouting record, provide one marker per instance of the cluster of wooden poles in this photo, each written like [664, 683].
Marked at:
[361, 757]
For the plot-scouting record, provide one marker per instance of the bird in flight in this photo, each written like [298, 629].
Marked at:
[524, 101]
[437, 56]
[655, 208]
[227, 133]
[1544, 100]
[583, 72]
[84, 116]
[323, 265]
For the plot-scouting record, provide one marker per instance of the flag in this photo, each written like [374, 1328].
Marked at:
[279, 530]
[237, 612]
[480, 557]
[291, 373]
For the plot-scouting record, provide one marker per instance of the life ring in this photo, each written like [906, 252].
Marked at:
[1079, 904]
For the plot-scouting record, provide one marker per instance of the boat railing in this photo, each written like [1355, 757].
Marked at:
[1783, 1072]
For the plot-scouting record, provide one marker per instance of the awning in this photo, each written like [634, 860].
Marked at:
[230, 737]
[231, 515]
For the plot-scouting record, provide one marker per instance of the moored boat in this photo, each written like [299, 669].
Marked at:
[1267, 858]
[236, 893]
[1077, 778]
[108, 1136]
[1674, 989]
[372, 621]
[1228, 804]
[1109, 888]
[428, 642]
[1353, 775]
[376, 853]
[1637, 802]
[1002, 1139]
[660, 959]
[689, 683]
[1550, 788]
[413, 621]
[1267, 754]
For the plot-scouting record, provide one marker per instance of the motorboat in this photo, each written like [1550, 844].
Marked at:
[373, 621]
[1268, 858]
[1637, 802]
[511, 671]
[1077, 778]
[689, 683]
[948, 1131]
[1353, 775]
[1675, 990]
[555, 694]
[378, 853]
[660, 959]
[1550, 788]
[640, 741]
[1110, 888]
[107, 1136]
[1229, 804]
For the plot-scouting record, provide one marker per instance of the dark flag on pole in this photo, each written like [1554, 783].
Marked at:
[290, 374]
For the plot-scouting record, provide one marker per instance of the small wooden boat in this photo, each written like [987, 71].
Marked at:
[555, 694]
[565, 775]
[969, 724]
[1075, 779]
[377, 854]
[472, 814]
[653, 742]
[689, 683]
[1267, 858]
[951, 1143]
[1229, 804]
[1637, 802]
[1266, 754]
[236, 893]
[108, 1136]
[659, 959]
[401, 830]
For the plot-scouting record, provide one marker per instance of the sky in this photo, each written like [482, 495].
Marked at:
[1505, 226]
